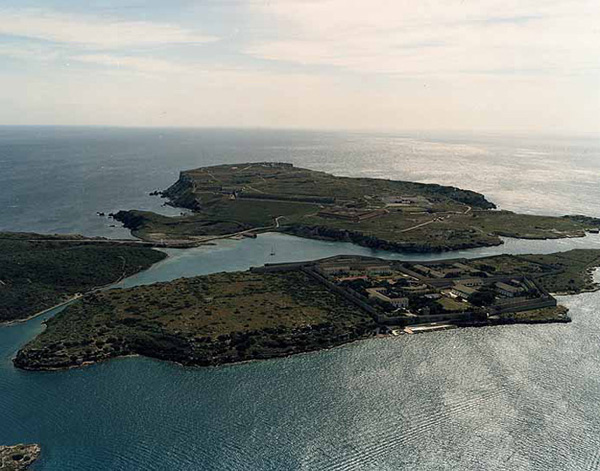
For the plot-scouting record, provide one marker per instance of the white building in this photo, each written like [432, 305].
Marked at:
[508, 290]
[380, 293]
[463, 292]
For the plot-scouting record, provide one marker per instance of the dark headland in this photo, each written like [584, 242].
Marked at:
[392, 215]
[279, 310]
[283, 309]
[41, 271]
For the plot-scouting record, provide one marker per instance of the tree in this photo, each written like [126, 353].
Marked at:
[484, 297]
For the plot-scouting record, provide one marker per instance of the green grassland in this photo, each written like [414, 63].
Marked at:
[536, 316]
[573, 270]
[563, 272]
[205, 320]
[231, 317]
[230, 198]
[453, 305]
[283, 179]
[38, 272]
[154, 227]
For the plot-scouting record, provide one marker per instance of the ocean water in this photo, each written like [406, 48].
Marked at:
[506, 398]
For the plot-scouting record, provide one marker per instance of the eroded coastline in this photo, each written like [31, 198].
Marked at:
[18, 457]
[400, 216]
[289, 308]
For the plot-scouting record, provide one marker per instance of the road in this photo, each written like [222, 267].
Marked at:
[418, 225]
[438, 219]
[276, 225]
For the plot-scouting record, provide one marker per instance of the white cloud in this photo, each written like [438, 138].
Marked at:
[28, 51]
[142, 64]
[102, 33]
[432, 38]
[414, 65]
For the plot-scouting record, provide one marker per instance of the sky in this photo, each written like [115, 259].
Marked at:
[531, 66]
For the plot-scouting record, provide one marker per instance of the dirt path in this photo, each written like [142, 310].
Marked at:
[418, 225]
[37, 314]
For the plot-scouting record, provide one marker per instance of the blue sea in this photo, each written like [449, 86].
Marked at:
[501, 398]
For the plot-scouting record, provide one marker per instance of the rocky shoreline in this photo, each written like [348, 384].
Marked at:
[18, 457]
[32, 362]
[202, 321]
[270, 312]
[383, 214]
[358, 238]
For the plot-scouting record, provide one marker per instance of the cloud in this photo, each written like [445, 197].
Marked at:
[95, 32]
[432, 38]
[142, 64]
[28, 51]
[401, 64]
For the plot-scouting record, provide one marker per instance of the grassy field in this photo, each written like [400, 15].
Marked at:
[230, 198]
[204, 320]
[563, 272]
[155, 227]
[36, 274]
[453, 305]
[573, 270]
[230, 317]
[284, 179]
[536, 316]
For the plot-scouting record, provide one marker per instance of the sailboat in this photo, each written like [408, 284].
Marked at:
[272, 250]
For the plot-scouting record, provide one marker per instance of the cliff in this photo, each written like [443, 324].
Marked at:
[386, 214]
[182, 193]
[373, 242]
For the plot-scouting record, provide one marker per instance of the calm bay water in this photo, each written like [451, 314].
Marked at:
[512, 397]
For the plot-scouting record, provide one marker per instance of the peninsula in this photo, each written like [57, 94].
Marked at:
[18, 457]
[42, 271]
[283, 309]
[245, 199]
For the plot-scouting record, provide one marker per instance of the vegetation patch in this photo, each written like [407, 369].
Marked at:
[568, 272]
[537, 316]
[39, 272]
[378, 213]
[206, 320]
[572, 270]
[283, 309]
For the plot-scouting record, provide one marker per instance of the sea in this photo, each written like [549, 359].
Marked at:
[519, 397]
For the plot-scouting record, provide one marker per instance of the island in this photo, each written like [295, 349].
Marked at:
[246, 199]
[42, 271]
[18, 457]
[288, 308]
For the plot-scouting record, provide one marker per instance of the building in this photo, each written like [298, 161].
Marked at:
[381, 294]
[414, 287]
[405, 200]
[353, 278]
[463, 292]
[376, 269]
[451, 272]
[507, 290]
[464, 267]
[472, 282]
[428, 271]
[334, 269]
